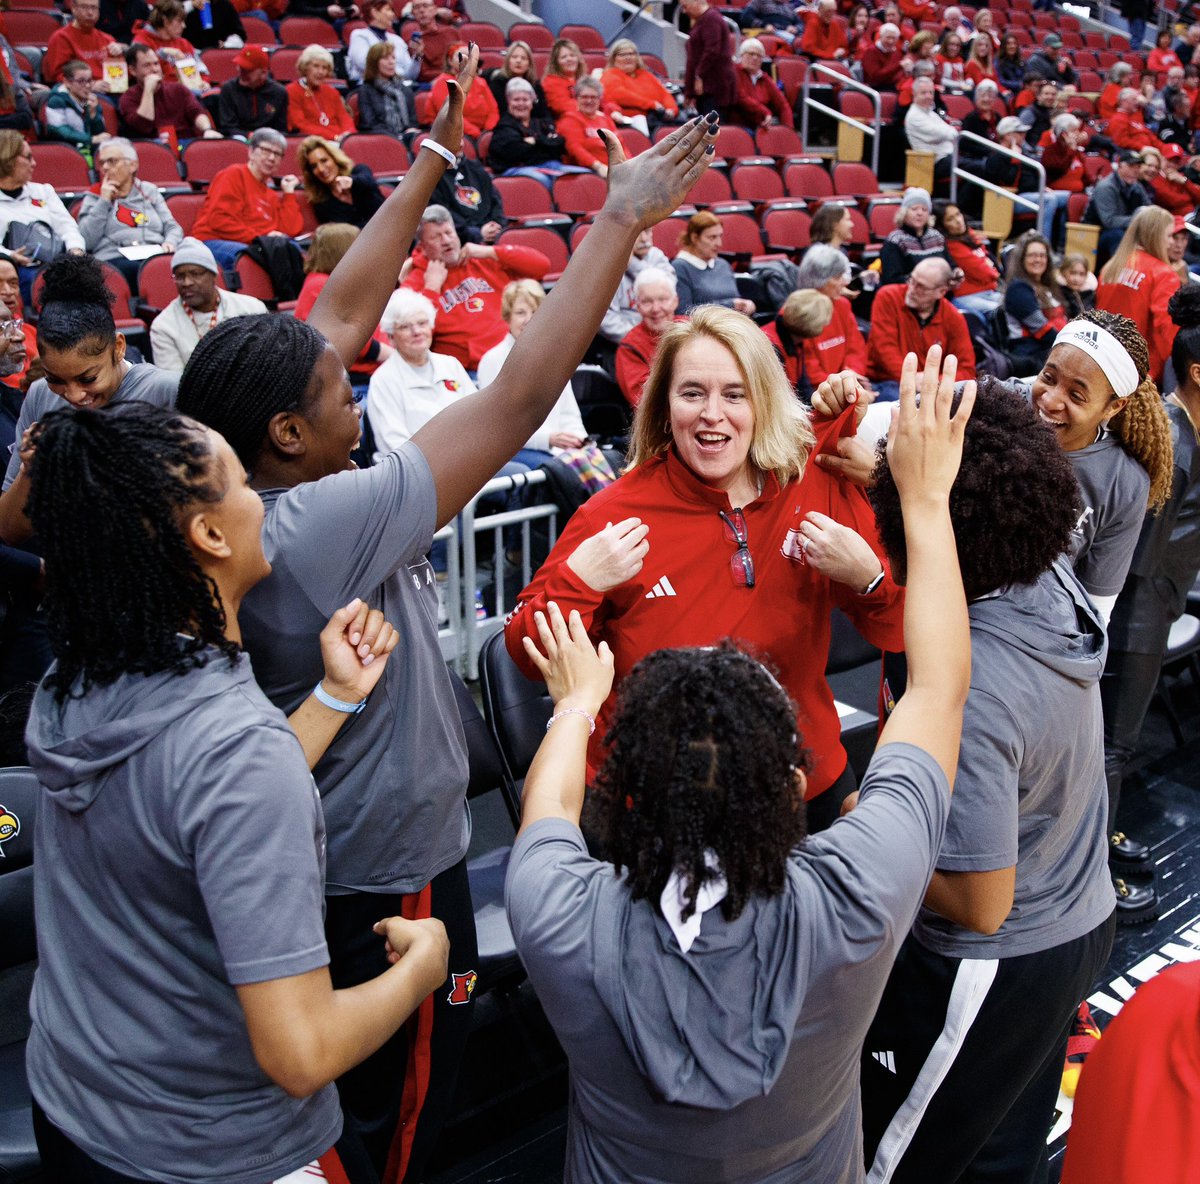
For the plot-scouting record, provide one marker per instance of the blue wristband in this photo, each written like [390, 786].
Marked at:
[323, 696]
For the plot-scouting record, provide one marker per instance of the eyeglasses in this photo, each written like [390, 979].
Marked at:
[917, 286]
[741, 562]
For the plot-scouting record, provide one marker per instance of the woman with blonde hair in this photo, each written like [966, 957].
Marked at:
[1138, 282]
[633, 89]
[720, 528]
[518, 63]
[703, 276]
[566, 67]
[338, 189]
[314, 107]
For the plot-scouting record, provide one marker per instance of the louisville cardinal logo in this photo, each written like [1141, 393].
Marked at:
[128, 217]
[462, 986]
[467, 195]
[451, 384]
[10, 827]
[475, 304]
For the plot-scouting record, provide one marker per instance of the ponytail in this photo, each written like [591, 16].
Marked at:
[1144, 430]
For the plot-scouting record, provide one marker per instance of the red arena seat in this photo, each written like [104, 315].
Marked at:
[61, 166]
[786, 230]
[309, 30]
[584, 36]
[384, 155]
[579, 193]
[550, 243]
[204, 159]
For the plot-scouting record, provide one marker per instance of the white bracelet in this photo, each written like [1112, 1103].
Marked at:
[441, 150]
[572, 711]
[323, 696]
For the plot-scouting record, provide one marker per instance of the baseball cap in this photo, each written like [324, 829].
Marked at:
[1008, 125]
[1172, 151]
[252, 57]
[1052, 41]
[1179, 225]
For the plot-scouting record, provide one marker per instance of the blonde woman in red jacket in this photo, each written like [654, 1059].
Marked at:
[719, 529]
[1138, 282]
[565, 68]
[633, 89]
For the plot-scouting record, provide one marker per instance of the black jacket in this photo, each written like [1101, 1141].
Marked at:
[509, 149]
[243, 110]
[471, 198]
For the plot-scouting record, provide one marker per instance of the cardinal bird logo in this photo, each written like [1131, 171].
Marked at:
[10, 827]
[129, 217]
[451, 384]
[475, 304]
[467, 195]
[462, 986]
[37, 201]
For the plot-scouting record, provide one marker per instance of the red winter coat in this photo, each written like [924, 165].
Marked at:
[895, 331]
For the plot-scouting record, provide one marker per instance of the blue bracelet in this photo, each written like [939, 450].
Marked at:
[323, 696]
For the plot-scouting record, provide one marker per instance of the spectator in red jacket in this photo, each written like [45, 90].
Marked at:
[977, 292]
[759, 103]
[708, 77]
[581, 128]
[824, 38]
[82, 41]
[241, 205]
[163, 33]
[480, 113]
[1126, 128]
[152, 106]
[883, 64]
[1162, 56]
[656, 300]
[465, 284]
[909, 318]
[805, 316]
[1162, 173]
[1062, 153]
[314, 107]
[564, 69]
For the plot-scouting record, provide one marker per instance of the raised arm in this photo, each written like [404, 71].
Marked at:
[924, 451]
[348, 310]
[473, 437]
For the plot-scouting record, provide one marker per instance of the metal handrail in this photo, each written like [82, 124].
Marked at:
[1014, 154]
[853, 84]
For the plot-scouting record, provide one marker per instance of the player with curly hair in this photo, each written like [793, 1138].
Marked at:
[1018, 918]
[711, 974]
[203, 1002]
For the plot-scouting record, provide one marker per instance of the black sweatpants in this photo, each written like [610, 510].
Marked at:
[962, 1063]
[1126, 691]
[398, 1099]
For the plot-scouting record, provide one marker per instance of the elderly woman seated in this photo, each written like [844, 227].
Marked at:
[314, 107]
[524, 145]
[581, 128]
[338, 189]
[127, 220]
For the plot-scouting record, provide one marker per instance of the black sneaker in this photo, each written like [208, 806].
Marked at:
[1136, 904]
[1126, 852]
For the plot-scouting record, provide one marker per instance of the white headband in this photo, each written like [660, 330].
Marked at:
[1106, 351]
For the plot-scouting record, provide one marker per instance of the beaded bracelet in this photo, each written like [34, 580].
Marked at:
[572, 711]
[441, 151]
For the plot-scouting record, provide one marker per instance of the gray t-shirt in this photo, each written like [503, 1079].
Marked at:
[1115, 489]
[754, 1035]
[393, 782]
[142, 383]
[179, 853]
[1030, 789]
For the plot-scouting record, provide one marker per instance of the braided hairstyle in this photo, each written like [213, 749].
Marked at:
[109, 491]
[1184, 310]
[76, 307]
[246, 371]
[1141, 425]
[1013, 504]
[724, 782]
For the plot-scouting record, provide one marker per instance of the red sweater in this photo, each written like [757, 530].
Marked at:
[468, 306]
[839, 346]
[1063, 164]
[634, 356]
[319, 112]
[635, 94]
[685, 594]
[821, 40]
[979, 272]
[71, 42]
[560, 94]
[710, 60]
[480, 113]
[1141, 292]
[239, 208]
[1180, 198]
[1129, 131]
[895, 331]
[582, 134]
[1106, 104]
[883, 71]
[757, 99]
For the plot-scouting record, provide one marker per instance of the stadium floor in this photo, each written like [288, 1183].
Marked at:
[511, 1127]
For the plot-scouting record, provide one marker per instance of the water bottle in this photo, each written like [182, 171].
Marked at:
[206, 16]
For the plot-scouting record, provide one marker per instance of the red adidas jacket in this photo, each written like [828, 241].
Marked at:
[1141, 292]
[685, 594]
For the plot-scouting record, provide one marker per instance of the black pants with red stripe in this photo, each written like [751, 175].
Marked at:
[398, 1099]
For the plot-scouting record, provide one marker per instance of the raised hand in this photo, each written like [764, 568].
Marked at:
[448, 126]
[354, 647]
[644, 190]
[925, 443]
[576, 673]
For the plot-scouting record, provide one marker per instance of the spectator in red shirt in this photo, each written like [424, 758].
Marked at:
[656, 300]
[83, 41]
[1116, 80]
[840, 344]
[241, 205]
[432, 40]
[952, 67]
[981, 62]
[314, 107]
[977, 292]
[152, 106]
[824, 38]
[1169, 185]
[709, 79]
[1162, 56]
[564, 69]
[1062, 153]
[883, 64]
[911, 317]
[465, 284]
[1126, 128]
[163, 33]
[759, 103]
[581, 128]
[805, 316]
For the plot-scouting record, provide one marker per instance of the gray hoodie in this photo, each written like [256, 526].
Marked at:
[737, 1061]
[1030, 788]
[179, 852]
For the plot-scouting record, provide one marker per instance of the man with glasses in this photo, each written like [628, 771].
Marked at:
[911, 317]
[241, 205]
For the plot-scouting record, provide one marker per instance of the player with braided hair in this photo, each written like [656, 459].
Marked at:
[201, 1033]
[393, 786]
[1155, 594]
[703, 984]
[85, 365]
